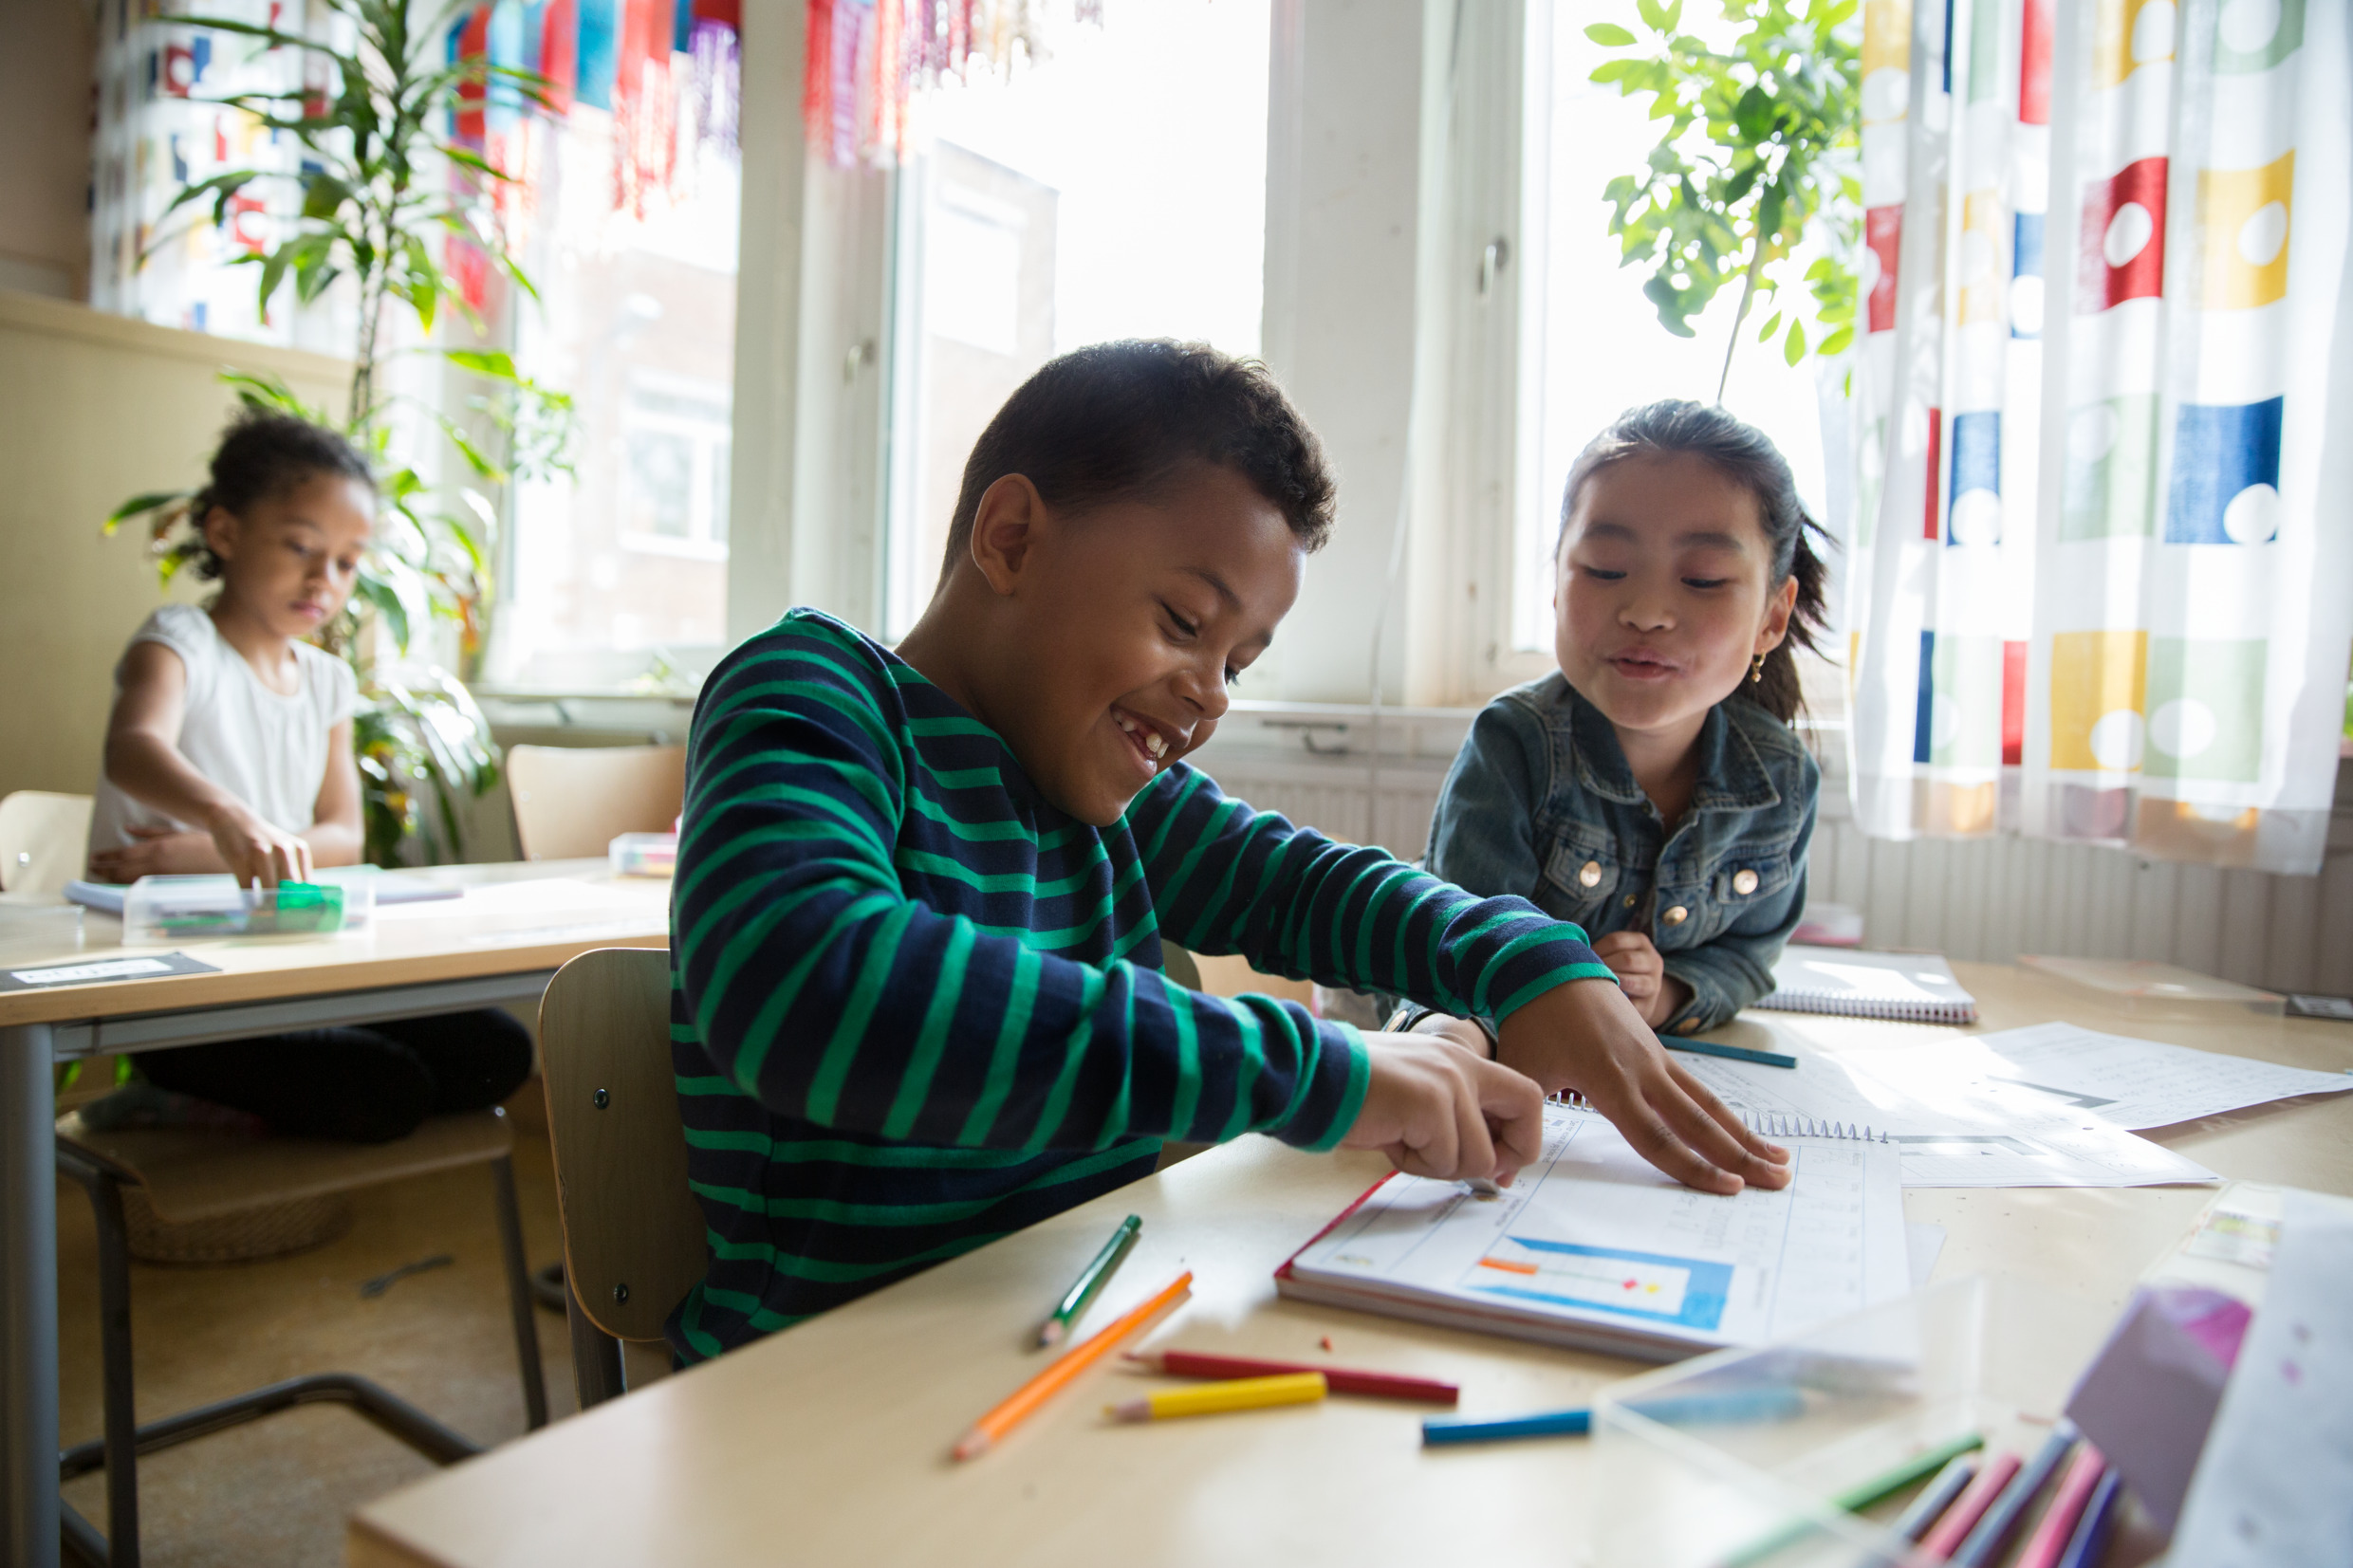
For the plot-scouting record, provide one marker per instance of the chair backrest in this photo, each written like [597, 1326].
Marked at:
[633, 1235]
[575, 801]
[45, 840]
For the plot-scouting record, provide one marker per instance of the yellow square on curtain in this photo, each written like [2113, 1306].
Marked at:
[1886, 60]
[2243, 217]
[1982, 262]
[2132, 33]
[2099, 700]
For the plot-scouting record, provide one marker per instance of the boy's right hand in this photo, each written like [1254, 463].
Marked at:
[1438, 1110]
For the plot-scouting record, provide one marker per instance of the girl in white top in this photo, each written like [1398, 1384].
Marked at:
[230, 750]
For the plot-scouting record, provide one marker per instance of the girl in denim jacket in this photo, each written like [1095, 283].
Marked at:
[1652, 790]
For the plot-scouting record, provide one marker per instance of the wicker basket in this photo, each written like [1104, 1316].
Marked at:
[269, 1231]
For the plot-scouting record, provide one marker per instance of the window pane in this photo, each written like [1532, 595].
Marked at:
[1603, 350]
[1118, 190]
[629, 557]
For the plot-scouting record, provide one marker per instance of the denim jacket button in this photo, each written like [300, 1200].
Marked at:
[1590, 874]
[1744, 882]
[1677, 916]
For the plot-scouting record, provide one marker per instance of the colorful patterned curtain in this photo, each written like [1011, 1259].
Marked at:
[869, 62]
[2101, 583]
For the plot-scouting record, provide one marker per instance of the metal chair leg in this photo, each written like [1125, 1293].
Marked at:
[598, 1371]
[120, 1443]
[519, 1295]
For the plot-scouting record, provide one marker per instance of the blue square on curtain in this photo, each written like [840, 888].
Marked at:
[683, 26]
[1923, 736]
[2225, 486]
[2025, 273]
[1974, 503]
[599, 52]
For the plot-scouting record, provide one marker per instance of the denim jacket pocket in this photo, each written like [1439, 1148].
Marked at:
[1580, 876]
[1740, 882]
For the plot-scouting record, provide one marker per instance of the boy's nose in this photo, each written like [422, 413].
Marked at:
[1206, 693]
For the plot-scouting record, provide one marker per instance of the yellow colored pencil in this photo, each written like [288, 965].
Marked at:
[1239, 1394]
[991, 1428]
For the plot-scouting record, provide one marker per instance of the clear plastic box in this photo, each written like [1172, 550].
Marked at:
[159, 911]
[643, 854]
[1986, 1354]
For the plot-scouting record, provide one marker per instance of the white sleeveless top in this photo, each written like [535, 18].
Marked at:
[267, 749]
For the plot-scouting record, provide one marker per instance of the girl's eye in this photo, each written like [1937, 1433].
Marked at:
[1705, 581]
[1602, 575]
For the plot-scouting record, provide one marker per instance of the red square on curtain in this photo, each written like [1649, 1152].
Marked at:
[473, 43]
[2124, 238]
[558, 53]
[1882, 229]
[2013, 703]
[2035, 30]
[1935, 461]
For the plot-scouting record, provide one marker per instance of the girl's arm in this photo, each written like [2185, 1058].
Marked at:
[144, 760]
[335, 834]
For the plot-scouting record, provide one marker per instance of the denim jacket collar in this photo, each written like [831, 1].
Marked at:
[1732, 776]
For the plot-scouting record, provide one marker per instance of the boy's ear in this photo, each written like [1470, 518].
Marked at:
[1777, 612]
[1006, 529]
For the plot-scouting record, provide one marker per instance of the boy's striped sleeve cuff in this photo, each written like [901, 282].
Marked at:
[1527, 958]
[1341, 1072]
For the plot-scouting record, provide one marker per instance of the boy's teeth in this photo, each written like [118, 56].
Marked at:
[1157, 744]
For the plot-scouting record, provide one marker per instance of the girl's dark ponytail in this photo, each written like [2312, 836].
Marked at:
[1746, 456]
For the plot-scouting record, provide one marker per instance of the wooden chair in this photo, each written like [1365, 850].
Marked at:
[633, 1234]
[192, 1174]
[45, 840]
[571, 802]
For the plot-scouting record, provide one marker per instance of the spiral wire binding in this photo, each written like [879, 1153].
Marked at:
[1782, 1124]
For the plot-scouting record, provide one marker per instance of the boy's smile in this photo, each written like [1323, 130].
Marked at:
[1101, 645]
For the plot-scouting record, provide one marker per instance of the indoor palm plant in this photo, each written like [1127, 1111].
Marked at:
[382, 186]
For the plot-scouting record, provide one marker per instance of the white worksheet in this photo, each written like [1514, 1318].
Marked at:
[1593, 1246]
[2274, 1487]
[2133, 1082]
[1953, 1127]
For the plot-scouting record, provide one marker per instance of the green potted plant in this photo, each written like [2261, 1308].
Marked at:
[1759, 140]
[381, 181]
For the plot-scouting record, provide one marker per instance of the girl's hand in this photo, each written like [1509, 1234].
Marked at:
[1438, 1110]
[257, 854]
[1584, 1036]
[1643, 975]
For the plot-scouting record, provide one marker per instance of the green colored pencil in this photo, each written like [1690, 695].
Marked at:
[1091, 1280]
[1858, 1497]
[1731, 1053]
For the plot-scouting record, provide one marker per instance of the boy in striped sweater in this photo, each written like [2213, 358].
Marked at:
[915, 933]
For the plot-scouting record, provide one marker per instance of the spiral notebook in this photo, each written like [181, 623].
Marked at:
[1593, 1248]
[1908, 987]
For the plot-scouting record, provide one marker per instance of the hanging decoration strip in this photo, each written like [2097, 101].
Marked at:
[2100, 565]
[868, 64]
[668, 72]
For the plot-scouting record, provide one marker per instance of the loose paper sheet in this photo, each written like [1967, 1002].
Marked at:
[2274, 1488]
[2133, 1082]
[1954, 1128]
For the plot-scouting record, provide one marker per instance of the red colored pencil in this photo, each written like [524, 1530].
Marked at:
[1948, 1532]
[1380, 1385]
[2067, 1506]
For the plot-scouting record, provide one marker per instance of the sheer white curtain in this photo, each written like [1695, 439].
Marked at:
[2103, 580]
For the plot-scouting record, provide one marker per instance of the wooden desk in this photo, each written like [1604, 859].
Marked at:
[499, 944]
[828, 1444]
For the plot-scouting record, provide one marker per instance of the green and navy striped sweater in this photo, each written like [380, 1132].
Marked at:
[915, 1006]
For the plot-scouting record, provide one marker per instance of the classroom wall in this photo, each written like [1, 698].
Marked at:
[93, 409]
[46, 64]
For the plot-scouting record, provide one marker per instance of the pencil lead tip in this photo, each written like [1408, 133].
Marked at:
[971, 1445]
[1130, 1409]
[1050, 1335]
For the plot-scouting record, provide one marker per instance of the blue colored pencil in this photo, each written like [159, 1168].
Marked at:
[1690, 1409]
[1936, 1498]
[1986, 1543]
[2091, 1533]
[1731, 1053]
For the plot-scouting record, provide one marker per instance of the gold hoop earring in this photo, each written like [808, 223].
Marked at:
[1756, 676]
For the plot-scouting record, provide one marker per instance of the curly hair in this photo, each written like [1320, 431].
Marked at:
[263, 455]
[1117, 420]
[1747, 457]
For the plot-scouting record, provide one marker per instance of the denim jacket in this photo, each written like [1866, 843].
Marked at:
[1541, 802]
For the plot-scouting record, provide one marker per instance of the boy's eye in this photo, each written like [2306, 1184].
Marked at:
[1234, 676]
[1184, 627]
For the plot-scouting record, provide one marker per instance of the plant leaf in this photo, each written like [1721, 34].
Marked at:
[1609, 35]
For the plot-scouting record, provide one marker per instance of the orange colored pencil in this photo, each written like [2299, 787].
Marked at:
[991, 1428]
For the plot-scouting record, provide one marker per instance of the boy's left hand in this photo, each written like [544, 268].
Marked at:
[1584, 1036]
[1643, 975]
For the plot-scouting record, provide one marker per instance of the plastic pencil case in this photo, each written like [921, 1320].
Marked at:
[1988, 1354]
[644, 854]
[162, 909]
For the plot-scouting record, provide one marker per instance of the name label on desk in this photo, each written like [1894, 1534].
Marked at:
[145, 967]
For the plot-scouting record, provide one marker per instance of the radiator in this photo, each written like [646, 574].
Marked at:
[1987, 899]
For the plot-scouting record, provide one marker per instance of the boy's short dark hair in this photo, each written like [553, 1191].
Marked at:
[262, 456]
[1113, 419]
